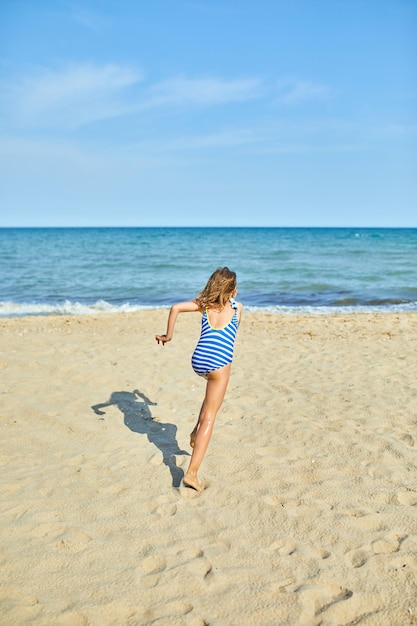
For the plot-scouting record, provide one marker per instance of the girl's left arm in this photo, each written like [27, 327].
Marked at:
[180, 307]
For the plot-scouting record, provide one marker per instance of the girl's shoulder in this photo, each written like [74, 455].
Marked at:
[235, 304]
[238, 306]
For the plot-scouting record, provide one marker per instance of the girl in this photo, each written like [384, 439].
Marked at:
[212, 357]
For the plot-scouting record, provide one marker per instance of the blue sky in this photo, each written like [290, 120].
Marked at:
[208, 112]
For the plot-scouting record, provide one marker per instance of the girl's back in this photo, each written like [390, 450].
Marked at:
[220, 318]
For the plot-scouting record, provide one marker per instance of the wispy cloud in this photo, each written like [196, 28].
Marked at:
[82, 93]
[294, 91]
[202, 91]
[71, 96]
[78, 82]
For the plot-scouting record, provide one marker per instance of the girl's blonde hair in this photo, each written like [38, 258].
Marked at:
[220, 286]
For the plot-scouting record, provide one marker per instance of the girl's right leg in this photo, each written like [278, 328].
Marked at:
[194, 432]
[215, 391]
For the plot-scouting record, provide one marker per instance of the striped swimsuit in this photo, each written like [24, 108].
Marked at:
[215, 346]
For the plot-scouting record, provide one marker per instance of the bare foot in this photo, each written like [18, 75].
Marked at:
[190, 480]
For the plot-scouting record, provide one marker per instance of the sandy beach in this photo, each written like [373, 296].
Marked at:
[309, 515]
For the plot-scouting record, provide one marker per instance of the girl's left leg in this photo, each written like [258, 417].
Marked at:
[216, 388]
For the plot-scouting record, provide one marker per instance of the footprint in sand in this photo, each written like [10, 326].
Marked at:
[200, 568]
[166, 510]
[365, 520]
[73, 540]
[193, 560]
[168, 612]
[153, 565]
[283, 548]
[317, 597]
[316, 553]
[163, 506]
[286, 548]
[372, 522]
[388, 544]
[150, 569]
[357, 558]
[218, 548]
[274, 500]
[53, 531]
[407, 498]
[408, 439]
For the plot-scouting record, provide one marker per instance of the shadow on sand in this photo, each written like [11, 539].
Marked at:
[138, 417]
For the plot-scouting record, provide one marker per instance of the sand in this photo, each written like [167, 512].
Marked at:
[309, 515]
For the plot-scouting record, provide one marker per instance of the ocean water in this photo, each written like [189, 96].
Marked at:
[314, 270]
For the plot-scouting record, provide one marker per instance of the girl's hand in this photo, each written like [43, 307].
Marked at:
[162, 338]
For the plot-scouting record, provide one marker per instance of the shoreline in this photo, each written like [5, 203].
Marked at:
[17, 311]
[310, 506]
[143, 315]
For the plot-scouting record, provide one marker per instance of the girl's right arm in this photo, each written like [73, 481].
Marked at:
[180, 307]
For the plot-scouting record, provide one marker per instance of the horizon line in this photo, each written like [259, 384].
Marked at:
[4, 227]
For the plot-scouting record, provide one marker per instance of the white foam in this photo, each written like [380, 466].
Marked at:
[20, 309]
[326, 310]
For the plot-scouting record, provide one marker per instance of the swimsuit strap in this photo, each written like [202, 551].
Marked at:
[233, 304]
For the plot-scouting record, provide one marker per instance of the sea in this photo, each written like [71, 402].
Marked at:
[67, 271]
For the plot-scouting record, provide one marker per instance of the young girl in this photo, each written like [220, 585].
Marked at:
[212, 357]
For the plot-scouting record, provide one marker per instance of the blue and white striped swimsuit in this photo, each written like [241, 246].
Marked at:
[215, 346]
